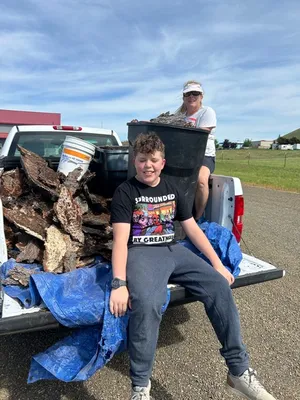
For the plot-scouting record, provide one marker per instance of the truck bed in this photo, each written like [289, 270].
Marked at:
[253, 271]
[220, 209]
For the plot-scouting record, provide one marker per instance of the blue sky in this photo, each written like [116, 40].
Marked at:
[103, 62]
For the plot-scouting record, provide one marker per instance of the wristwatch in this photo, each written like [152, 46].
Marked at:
[116, 283]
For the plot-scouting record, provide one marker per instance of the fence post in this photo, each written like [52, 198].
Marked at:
[284, 160]
[249, 158]
[222, 155]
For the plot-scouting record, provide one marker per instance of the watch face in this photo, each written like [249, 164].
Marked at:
[115, 283]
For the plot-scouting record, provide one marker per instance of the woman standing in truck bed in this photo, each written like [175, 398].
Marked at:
[205, 118]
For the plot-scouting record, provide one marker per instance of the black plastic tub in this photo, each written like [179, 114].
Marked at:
[185, 148]
[111, 166]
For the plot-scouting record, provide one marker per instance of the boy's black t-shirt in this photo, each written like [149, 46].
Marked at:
[151, 211]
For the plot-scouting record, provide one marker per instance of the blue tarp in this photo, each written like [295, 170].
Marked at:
[80, 299]
[224, 244]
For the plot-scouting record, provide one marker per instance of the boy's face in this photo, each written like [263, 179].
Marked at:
[148, 167]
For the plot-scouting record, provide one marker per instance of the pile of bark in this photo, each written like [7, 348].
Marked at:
[52, 219]
[173, 119]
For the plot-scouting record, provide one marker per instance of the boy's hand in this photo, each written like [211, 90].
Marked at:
[118, 301]
[224, 271]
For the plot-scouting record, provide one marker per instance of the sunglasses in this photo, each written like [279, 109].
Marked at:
[188, 94]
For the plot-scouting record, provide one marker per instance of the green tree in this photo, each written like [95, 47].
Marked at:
[247, 143]
[226, 144]
[282, 140]
[294, 140]
[217, 144]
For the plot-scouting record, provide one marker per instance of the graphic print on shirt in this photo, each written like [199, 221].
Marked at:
[192, 120]
[153, 223]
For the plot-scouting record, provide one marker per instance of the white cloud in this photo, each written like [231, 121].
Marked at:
[22, 47]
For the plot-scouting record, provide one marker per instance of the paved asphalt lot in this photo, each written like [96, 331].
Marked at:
[188, 365]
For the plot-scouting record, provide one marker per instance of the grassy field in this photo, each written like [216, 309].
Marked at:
[269, 168]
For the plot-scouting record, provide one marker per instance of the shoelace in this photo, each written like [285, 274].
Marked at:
[253, 379]
[140, 396]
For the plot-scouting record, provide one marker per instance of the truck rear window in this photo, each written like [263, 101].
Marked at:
[50, 144]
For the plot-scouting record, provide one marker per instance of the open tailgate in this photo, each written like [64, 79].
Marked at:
[253, 271]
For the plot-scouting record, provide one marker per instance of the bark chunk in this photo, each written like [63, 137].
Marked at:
[69, 214]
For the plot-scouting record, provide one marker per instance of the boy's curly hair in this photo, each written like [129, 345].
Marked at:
[148, 143]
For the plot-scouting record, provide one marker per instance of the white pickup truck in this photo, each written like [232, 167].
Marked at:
[225, 207]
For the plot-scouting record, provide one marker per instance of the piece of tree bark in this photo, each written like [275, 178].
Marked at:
[85, 261]
[96, 219]
[28, 220]
[10, 235]
[100, 203]
[55, 250]
[101, 233]
[83, 204]
[12, 184]
[69, 214]
[31, 252]
[38, 172]
[19, 275]
[93, 245]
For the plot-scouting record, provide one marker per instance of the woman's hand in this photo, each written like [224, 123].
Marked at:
[119, 301]
[224, 271]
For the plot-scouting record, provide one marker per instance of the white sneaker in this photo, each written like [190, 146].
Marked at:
[141, 393]
[248, 386]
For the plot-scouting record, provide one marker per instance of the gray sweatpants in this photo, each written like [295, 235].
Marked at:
[149, 269]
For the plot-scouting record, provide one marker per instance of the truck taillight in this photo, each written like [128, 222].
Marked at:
[67, 128]
[238, 217]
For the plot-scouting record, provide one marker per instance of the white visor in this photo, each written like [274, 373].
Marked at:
[192, 87]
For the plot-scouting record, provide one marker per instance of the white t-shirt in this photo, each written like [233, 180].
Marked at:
[205, 117]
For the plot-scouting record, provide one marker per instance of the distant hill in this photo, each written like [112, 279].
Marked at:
[295, 133]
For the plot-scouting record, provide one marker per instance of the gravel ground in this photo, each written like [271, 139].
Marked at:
[188, 365]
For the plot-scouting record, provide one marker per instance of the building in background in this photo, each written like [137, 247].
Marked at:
[285, 147]
[262, 144]
[9, 118]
